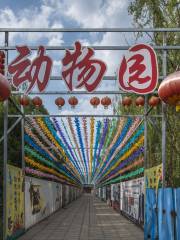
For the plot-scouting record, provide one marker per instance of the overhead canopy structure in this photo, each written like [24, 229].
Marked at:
[84, 150]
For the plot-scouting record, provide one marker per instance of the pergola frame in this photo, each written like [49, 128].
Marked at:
[21, 116]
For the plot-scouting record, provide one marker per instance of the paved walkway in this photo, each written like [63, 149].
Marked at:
[85, 219]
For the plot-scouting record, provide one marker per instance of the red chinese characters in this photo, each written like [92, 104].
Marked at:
[80, 70]
[24, 70]
[138, 71]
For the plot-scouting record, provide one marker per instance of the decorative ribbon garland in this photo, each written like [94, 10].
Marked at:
[124, 177]
[54, 165]
[49, 170]
[91, 143]
[66, 144]
[77, 162]
[49, 128]
[45, 131]
[38, 142]
[41, 174]
[124, 163]
[106, 163]
[40, 132]
[98, 131]
[120, 127]
[132, 129]
[125, 153]
[76, 143]
[86, 142]
[76, 120]
[111, 129]
[105, 129]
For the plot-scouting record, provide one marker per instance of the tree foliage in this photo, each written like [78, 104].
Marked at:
[162, 14]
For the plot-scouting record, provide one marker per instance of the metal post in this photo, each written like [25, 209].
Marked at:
[5, 148]
[164, 114]
[145, 132]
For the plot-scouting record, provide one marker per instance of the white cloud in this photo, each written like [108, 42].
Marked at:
[35, 18]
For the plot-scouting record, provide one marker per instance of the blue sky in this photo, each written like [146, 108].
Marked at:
[69, 14]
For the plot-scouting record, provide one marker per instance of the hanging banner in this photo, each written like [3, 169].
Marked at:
[153, 177]
[14, 202]
[42, 198]
[132, 198]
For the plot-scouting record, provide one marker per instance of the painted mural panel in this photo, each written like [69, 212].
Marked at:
[14, 203]
[41, 199]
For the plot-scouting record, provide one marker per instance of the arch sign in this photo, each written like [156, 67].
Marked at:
[137, 73]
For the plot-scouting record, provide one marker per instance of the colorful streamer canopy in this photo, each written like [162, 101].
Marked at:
[84, 150]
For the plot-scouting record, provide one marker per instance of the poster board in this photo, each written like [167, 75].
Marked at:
[132, 198]
[14, 202]
[42, 198]
[153, 177]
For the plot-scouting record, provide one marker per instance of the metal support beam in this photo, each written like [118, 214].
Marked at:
[109, 48]
[82, 115]
[145, 132]
[164, 108]
[74, 93]
[5, 157]
[11, 128]
[102, 30]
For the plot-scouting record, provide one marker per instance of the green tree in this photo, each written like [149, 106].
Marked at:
[162, 14]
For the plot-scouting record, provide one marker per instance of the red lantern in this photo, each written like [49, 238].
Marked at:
[73, 101]
[2, 60]
[37, 101]
[106, 101]
[95, 101]
[154, 101]
[5, 90]
[24, 101]
[60, 102]
[139, 101]
[169, 89]
[127, 101]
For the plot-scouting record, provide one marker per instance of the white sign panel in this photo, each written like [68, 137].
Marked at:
[131, 195]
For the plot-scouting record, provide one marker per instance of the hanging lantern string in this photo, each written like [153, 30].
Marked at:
[76, 143]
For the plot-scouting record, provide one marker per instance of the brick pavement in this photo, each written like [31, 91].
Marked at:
[85, 219]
